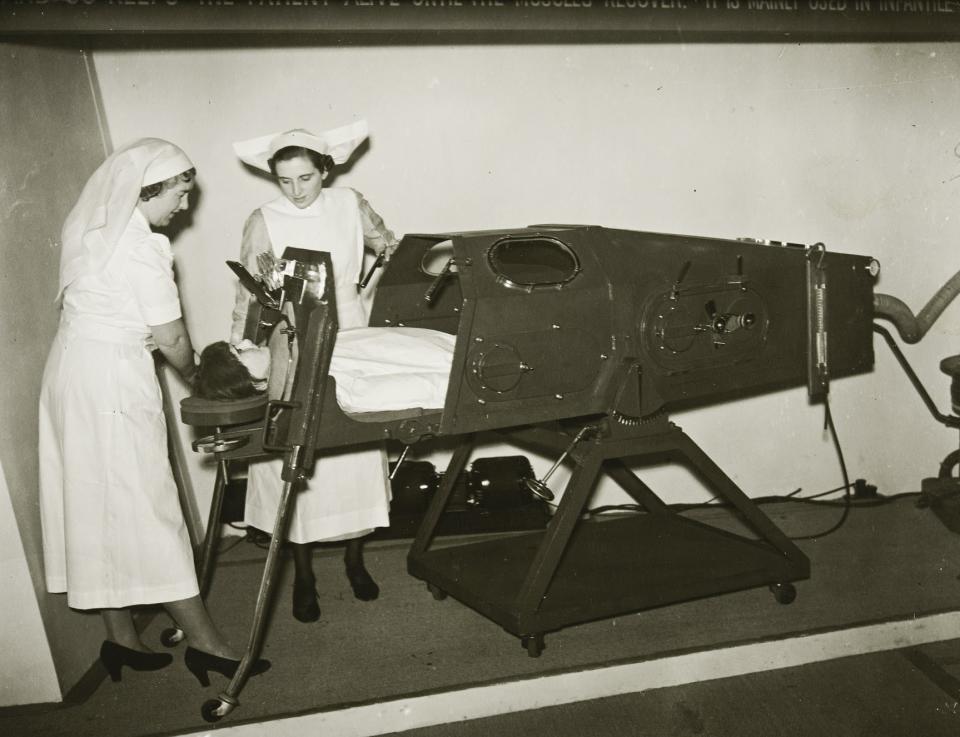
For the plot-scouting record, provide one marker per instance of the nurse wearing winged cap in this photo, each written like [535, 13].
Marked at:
[349, 493]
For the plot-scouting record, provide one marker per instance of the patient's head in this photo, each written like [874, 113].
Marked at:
[228, 372]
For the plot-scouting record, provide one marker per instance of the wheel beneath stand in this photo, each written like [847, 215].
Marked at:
[215, 709]
[533, 644]
[949, 463]
[784, 593]
[436, 592]
[172, 636]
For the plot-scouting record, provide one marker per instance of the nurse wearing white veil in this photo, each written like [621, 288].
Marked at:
[349, 493]
[113, 533]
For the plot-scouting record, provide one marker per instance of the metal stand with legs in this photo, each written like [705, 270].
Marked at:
[578, 570]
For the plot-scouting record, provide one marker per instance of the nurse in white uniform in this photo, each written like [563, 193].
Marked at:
[114, 536]
[349, 493]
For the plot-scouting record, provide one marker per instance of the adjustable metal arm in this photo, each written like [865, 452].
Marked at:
[948, 420]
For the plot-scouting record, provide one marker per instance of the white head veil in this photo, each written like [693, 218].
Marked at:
[337, 143]
[94, 226]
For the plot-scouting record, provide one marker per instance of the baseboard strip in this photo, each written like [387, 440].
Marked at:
[545, 691]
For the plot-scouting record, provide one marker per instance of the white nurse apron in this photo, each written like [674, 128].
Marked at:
[348, 494]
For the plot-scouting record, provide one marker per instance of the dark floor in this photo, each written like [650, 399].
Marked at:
[888, 562]
[901, 693]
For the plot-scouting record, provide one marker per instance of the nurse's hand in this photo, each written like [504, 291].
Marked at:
[173, 340]
[387, 250]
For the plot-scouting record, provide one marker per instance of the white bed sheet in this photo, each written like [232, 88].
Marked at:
[383, 369]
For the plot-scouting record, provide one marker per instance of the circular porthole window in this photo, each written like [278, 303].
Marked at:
[531, 262]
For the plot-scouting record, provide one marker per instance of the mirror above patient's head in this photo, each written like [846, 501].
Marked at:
[436, 258]
[312, 274]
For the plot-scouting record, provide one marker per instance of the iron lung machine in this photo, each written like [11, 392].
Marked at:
[572, 340]
[577, 341]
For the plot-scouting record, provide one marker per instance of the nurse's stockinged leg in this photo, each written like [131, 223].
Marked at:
[363, 585]
[305, 607]
[121, 629]
[192, 616]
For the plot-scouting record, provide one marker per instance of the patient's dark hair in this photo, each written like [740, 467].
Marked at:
[221, 375]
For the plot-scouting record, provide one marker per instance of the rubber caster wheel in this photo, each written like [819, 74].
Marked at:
[533, 644]
[951, 462]
[171, 637]
[214, 710]
[436, 592]
[784, 593]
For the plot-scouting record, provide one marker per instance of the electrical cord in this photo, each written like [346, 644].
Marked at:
[828, 423]
[813, 500]
[259, 538]
[847, 503]
[878, 501]
[226, 547]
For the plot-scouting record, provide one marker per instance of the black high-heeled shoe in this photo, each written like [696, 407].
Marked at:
[362, 583]
[305, 607]
[199, 663]
[114, 657]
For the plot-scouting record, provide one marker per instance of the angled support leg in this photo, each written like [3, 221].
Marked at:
[439, 502]
[627, 480]
[558, 532]
[732, 493]
[212, 536]
[228, 698]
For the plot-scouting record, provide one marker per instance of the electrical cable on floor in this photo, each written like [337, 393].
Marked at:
[226, 547]
[847, 502]
[258, 537]
[878, 501]
[828, 423]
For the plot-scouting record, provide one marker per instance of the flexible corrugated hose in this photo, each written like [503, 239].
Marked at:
[913, 327]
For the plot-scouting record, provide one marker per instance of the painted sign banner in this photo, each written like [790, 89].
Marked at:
[665, 20]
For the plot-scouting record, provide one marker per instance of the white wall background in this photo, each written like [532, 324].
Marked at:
[854, 145]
